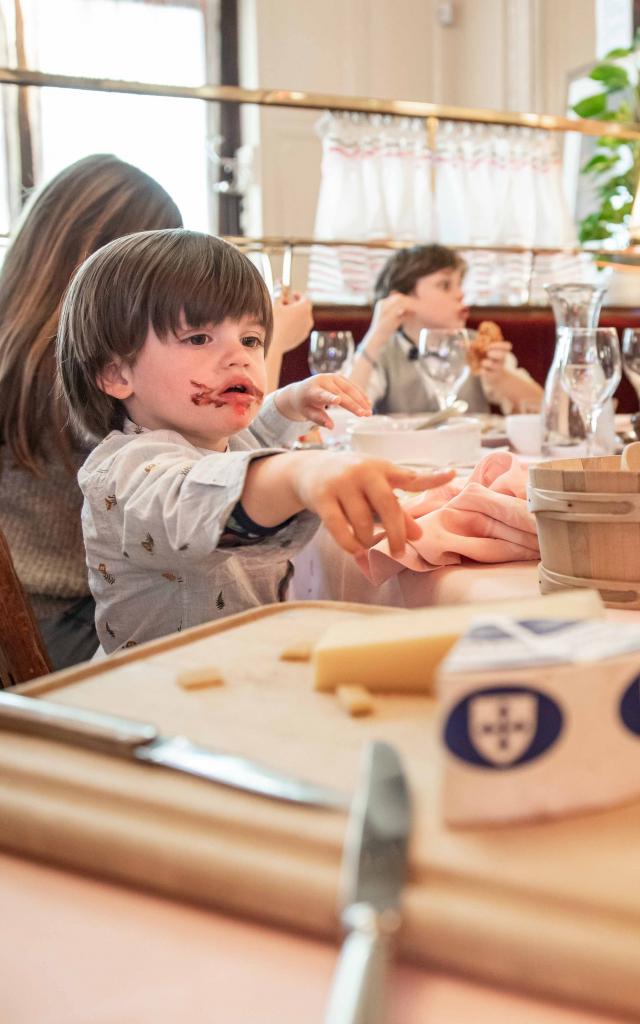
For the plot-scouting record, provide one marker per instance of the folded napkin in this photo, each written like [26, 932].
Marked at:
[484, 519]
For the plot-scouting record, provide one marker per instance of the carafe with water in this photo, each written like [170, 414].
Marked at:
[573, 305]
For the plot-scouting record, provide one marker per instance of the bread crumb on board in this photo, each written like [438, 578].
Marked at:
[297, 652]
[355, 700]
[200, 678]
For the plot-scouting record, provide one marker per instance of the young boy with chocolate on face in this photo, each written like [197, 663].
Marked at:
[192, 510]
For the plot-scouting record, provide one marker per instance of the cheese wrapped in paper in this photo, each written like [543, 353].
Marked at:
[539, 719]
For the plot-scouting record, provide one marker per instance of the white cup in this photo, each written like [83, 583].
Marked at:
[524, 431]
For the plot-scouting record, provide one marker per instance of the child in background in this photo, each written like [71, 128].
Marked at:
[188, 515]
[417, 288]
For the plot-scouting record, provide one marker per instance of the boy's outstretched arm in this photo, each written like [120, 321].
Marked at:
[349, 494]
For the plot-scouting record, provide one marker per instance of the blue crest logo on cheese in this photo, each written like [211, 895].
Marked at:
[630, 706]
[503, 726]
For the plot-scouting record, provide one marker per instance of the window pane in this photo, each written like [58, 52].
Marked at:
[128, 39]
[165, 137]
[133, 41]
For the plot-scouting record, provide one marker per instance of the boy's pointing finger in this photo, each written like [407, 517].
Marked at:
[410, 480]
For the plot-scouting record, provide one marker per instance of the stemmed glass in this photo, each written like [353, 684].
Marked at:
[443, 362]
[330, 351]
[590, 372]
[631, 357]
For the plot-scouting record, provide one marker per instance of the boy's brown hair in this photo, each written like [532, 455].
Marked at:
[151, 278]
[403, 270]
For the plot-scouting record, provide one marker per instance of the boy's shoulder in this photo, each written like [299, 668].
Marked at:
[135, 444]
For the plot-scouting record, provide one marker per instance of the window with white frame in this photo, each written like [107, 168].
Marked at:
[157, 41]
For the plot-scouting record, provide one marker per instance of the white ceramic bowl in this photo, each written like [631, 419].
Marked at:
[524, 431]
[453, 443]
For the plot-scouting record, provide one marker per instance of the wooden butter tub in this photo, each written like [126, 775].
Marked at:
[588, 518]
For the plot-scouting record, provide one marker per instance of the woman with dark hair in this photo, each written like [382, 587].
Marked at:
[91, 202]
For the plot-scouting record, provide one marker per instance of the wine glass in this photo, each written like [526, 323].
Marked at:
[590, 372]
[443, 362]
[330, 351]
[631, 357]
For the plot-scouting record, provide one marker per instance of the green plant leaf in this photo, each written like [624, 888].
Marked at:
[611, 75]
[592, 229]
[591, 106]
[607, 192]
[599, 163]
[619, 51]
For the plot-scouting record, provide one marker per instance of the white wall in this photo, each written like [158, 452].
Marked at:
[498, 54]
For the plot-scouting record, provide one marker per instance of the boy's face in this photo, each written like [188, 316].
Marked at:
[206, 383]
[439, 301]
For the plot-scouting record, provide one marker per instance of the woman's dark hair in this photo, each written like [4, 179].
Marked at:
[85, 206]
[153, 278]
[403, 270]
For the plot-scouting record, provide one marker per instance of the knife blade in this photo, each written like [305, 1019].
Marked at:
[373, 873]
[141, 741]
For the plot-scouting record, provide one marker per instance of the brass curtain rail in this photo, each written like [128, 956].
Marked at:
[274, 243]
[432, 112]
[277, 244]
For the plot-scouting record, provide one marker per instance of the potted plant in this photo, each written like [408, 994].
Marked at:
[614, 167]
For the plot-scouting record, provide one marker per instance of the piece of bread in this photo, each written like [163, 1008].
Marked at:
[488, 332]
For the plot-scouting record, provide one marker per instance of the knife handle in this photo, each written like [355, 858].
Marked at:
[359, 984]
[95, 730]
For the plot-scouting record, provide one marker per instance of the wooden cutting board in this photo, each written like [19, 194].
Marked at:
[551, 908]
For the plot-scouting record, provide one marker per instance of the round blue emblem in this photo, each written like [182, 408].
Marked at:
[503, 726]
[630, 706]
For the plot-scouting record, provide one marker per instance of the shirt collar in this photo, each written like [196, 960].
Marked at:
[129, 427]
[407, 345]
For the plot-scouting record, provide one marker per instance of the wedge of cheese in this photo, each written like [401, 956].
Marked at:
[401, 652]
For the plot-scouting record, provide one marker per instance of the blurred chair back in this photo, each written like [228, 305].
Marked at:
[22, 652]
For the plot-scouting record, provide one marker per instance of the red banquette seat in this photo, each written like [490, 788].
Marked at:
[530, 329]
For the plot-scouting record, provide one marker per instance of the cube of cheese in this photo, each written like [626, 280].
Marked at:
[200, 678]
[297, 652]
[401, 652]
[355, 700]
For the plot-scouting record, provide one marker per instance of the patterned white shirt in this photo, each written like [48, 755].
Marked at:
[164, 548]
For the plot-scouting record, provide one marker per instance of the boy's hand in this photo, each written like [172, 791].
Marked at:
[389, 314]
[494, 363]
[308, 399]
[351, 495]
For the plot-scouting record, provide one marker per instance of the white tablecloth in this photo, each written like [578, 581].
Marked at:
[323, 571]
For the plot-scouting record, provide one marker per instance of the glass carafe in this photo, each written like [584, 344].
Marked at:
[573, 305]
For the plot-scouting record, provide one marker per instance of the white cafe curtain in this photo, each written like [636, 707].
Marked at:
[483, 185]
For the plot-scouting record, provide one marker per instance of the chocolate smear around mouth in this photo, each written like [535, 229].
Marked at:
[205, 396]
